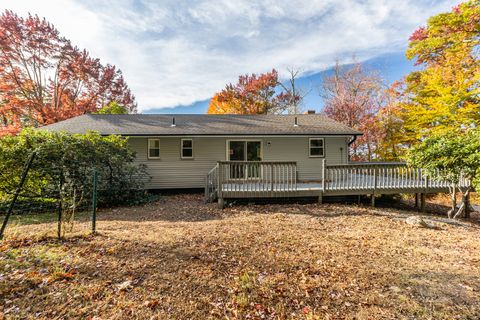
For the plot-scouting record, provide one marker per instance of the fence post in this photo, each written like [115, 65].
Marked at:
[59, 208]
[94, 202]
[27, 166]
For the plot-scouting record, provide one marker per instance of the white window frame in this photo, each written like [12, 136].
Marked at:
[310, 148]
[159, 148]
[181, 148]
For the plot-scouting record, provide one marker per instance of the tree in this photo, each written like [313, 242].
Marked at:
[45, 79]
[353, 96]
[444, 94]
[292, 96]
[391, 145]
[449, 156]
[253, 94]
[113, 108]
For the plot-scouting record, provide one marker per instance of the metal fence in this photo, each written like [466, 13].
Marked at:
[26, 215]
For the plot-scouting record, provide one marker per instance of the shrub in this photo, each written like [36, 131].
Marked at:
[64, 165]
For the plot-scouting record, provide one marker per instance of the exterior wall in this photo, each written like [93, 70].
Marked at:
[170, 171]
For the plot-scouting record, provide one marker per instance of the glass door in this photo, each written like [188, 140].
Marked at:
[254, 153]
[244, 151]
[237, 152]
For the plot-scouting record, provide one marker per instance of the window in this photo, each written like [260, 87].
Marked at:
[153, 148]
[187, 148]
[317, 147]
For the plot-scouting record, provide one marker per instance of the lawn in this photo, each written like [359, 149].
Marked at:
[182, 259]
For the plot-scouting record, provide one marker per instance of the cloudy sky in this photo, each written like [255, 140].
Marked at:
[175, 53]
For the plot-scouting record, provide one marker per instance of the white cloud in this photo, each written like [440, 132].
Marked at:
[173, 52]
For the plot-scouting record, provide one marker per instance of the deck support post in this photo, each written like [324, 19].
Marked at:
[422, 202]
[221, 203]
[359, 199]
[320, 198]
[324, 173]
[375, 173]
[417, 199]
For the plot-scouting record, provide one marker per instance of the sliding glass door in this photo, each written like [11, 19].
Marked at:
[239, 150]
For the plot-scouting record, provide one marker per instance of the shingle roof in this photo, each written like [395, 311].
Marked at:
[202, 124]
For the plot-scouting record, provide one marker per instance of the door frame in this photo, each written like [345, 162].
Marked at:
[227, 147]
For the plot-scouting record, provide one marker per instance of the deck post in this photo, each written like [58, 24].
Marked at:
[422, 202]
[374, 185]
[427, 183]
[320, 198]
[324, 172]
[221, 203]
[219, 179]
[271, 180]
[417, 200]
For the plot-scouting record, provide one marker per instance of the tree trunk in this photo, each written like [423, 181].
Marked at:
[453, 198]
[463, 210]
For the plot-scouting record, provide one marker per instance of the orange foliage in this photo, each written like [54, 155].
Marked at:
[44, 79]
[252, 94]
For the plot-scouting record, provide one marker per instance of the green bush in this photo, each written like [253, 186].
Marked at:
[64, 165]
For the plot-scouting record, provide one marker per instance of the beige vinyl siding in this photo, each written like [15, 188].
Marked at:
[297, 149]
[171, 171]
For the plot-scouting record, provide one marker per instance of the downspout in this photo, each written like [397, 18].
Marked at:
[355, 136]
[353, 140]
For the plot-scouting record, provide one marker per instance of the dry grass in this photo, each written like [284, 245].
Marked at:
[182, 259]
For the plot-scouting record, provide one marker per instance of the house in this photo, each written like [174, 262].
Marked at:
[179, 150]
[238, 156]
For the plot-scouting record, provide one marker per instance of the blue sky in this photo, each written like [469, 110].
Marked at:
[391, 67]
[176, 54]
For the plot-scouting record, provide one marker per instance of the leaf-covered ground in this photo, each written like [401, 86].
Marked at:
[182, 259]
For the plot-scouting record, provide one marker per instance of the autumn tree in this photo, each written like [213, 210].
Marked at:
[444, 94]
[45, 79]
[113, 108]
[393, 142]
[253, 94]
[354, 96]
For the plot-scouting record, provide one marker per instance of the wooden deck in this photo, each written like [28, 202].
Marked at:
[280, 180]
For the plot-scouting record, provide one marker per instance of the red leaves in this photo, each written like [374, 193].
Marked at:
[419, 34]
[44, 79]
[353, 96]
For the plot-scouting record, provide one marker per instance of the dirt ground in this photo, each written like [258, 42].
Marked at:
[182, 259]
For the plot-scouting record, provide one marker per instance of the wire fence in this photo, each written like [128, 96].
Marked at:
[69, 212]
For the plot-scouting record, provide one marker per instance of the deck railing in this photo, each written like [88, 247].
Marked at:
[211, 184]
[380, 176]
[257, 177]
